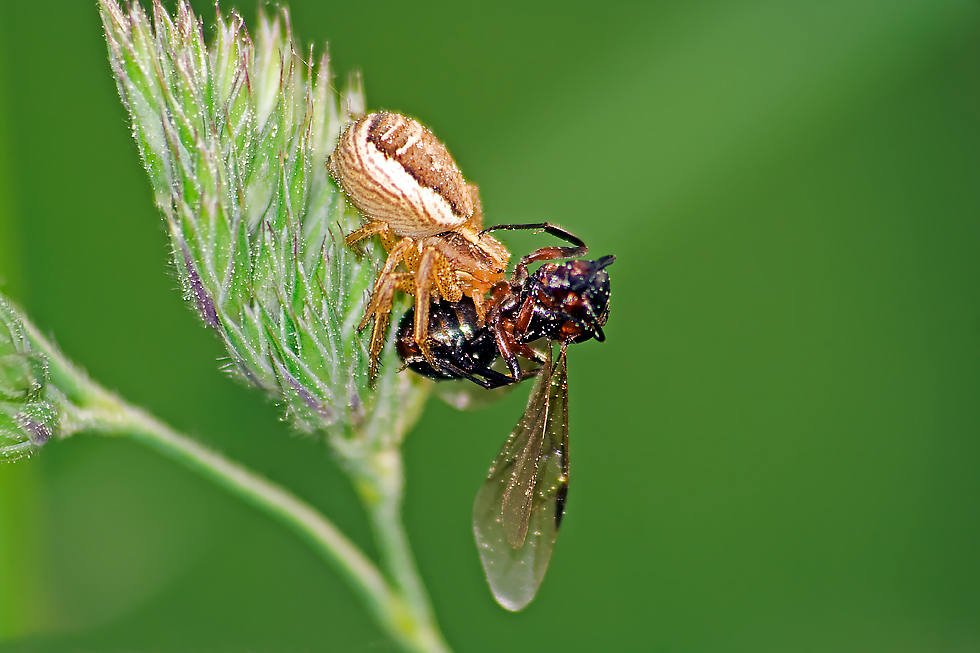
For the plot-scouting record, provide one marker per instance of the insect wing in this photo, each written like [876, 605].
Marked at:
[519, 507]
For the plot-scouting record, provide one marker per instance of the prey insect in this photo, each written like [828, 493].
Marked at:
[460, 347]
[568, 302]
[519, 508]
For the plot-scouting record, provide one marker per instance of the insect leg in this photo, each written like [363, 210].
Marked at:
[544, 253]
[491, 378]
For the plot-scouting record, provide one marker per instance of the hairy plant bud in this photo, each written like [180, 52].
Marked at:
[235, 135]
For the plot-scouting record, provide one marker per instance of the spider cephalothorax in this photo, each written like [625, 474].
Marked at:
[413, 196]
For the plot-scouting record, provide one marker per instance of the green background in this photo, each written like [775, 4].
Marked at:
[777, 448]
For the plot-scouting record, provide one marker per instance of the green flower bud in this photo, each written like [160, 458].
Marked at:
[235, 137]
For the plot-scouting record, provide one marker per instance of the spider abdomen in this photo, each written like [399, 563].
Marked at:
[395, 170]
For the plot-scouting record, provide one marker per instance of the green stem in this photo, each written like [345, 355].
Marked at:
[403, 612]
[380, 482]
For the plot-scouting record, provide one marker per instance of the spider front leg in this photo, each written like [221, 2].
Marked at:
[434, 277]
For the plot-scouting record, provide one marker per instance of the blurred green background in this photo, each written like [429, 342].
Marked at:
[778, 447]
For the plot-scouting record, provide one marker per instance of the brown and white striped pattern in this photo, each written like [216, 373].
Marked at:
[395, 170]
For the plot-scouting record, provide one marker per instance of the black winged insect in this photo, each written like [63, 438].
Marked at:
[520, 506]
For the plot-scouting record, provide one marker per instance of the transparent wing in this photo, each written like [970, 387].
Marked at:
[519, 507]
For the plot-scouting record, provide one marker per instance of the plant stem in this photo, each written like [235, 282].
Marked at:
[380, 483]
[403, 612]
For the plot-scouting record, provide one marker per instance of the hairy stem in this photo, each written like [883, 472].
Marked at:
[403, 611]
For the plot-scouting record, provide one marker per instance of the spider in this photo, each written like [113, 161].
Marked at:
[429, 220]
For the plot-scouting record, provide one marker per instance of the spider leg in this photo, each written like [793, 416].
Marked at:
[434, 276]
[481, 308]
[395, 256]
[476, 220]
[381, 302]
[368, 230]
